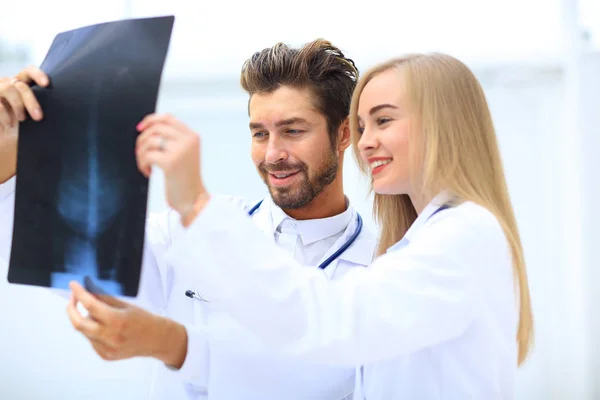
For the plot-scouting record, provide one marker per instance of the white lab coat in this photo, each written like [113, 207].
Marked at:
[227, 362]
[242, 368]
[434, 318]
[7, 204]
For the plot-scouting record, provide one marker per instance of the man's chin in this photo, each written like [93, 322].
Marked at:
[287, 200]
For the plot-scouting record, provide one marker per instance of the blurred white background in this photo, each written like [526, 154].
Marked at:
[539, 62]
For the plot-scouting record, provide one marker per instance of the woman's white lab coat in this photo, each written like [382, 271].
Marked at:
[434, 318]
[226, 361]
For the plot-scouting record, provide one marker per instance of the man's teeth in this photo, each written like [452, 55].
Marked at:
[378, 163]
[281, 176]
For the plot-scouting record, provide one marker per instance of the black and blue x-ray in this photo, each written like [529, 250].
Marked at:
[80, 201]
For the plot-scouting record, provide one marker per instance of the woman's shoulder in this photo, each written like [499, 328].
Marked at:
[468, 215]
[467, 225]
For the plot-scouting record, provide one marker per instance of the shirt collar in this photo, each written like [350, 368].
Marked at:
[7, 188]
[311, 230]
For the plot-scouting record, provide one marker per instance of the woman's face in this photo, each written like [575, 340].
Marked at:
[385, 122]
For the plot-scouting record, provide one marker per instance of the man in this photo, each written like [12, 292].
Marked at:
[298, 107]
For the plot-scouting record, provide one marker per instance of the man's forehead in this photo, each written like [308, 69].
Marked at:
[278, 122]
[282, 106]
[278, 114]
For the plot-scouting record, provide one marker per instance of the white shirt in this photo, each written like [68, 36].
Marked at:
[434, 318]
[308, 240]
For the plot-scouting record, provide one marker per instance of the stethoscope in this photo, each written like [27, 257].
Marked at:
[359, 223]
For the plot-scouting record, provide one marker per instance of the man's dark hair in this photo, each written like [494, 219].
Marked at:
[318, 66]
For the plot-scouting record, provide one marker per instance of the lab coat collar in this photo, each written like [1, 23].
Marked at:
[312, 230]
[7, 189]
[442, 198]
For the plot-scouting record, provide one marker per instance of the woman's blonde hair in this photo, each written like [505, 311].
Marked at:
[458, 151]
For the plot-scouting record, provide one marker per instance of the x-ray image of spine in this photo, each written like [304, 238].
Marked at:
[89, 200]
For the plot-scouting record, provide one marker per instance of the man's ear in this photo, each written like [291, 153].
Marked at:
[344, 135]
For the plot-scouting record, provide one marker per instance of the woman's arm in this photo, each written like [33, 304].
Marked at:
[406, 300]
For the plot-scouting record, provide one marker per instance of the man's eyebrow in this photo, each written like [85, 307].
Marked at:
[283, 122]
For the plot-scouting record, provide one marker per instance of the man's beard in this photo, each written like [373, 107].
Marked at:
[299, 194]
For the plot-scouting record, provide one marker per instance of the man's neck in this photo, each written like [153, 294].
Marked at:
[330, 202]
[8, 158]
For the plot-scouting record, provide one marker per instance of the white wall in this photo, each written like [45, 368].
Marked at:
[526, 110]
[590, 162]
[41, 356]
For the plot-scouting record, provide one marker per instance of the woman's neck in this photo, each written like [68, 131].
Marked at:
[418, 200]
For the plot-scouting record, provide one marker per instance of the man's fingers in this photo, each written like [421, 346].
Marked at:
[33, 74]
[91, 329]
[110, 337]
[105, 352]
[112, 301]
[95, 307]
[29, 101]
[12, 96]
[7, 117]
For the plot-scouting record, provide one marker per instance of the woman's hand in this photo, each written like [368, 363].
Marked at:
[168, 143]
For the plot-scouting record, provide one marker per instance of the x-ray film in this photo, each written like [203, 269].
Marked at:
[80, 201]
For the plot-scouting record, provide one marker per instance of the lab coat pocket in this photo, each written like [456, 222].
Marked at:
[202, 354]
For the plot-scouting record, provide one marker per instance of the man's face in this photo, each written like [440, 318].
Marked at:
[291, 147]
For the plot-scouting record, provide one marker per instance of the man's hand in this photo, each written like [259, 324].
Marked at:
[117, 330]
[17, 99]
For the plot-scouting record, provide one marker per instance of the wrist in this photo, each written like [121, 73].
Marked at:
[200, 203]
[172, 344]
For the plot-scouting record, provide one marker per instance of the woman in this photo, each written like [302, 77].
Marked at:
[435, 316]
